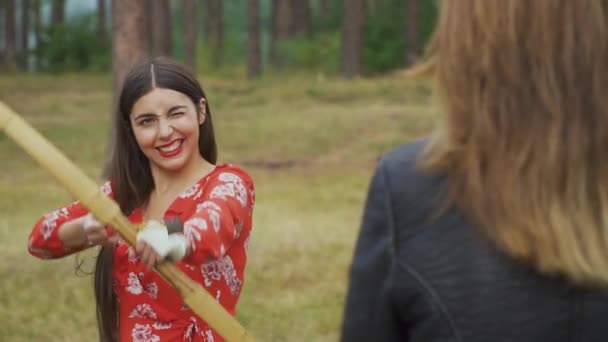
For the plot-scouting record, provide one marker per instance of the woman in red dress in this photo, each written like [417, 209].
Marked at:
[163, 169]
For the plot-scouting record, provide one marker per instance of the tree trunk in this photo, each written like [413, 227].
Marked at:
[280, 28]
[412, 31]
[2, 33]
[254, 63]
[189, 7]
[101, 22]
[204, 14]
[323, 11]
[352, 37]
[129, 39]
[301, 22]
[129, 47]
[213, 29]
[10, 38]
[208, 13]
[37, 31]
[25, 30]
[159, 24]
[217, 31]
[57, 12]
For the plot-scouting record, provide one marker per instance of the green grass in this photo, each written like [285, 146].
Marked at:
[311, 144]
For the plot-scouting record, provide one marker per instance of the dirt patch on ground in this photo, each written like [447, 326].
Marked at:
[275, 164]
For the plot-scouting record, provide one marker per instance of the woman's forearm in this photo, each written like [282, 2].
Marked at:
[72, 233]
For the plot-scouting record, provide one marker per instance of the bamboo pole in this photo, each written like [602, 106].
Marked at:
[107, 211]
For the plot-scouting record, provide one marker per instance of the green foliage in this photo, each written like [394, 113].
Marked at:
[73, 46]
[384, 37]
[319, 53]
[428, 18]
[383, 42]
[333, 21]
[235, 32]
[234, 45]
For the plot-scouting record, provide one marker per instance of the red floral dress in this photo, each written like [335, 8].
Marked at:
[217, 216]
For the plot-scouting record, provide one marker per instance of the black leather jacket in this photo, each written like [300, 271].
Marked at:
[416, 277]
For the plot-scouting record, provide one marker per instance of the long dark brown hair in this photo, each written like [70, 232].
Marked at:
[524, 136]
[129, 169]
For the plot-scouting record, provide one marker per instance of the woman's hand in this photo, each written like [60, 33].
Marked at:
[154, 244]
[95, 232]
[85, 232]
[147, 254]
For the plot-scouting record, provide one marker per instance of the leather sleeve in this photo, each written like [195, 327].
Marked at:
[369, 313]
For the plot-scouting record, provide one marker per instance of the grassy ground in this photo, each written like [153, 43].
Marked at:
[311, 144]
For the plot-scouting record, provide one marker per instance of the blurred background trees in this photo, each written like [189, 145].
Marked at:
[341, 37]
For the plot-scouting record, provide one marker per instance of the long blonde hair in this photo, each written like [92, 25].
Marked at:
[524, 139]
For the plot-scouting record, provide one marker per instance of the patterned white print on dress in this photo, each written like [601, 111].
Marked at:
[143, 311]
[207, 204]
[191, 329]
[209, 336]
[222, 191]
[240, 191]
[211, 272]
[143, 333]
[238, 228]
[50, 221]
[134, 286]
[229, 177]
[193, 228]
[152, 290]
[224, 267]
[132, 257]
[190, 191]
[215, 219]
[162, 325]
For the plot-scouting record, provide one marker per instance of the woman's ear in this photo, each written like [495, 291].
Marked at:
[202, 110]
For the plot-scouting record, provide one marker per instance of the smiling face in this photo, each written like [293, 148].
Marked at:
[166, 127]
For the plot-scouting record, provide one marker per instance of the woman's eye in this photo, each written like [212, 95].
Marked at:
[146, 121]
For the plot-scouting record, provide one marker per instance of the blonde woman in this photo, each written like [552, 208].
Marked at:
[496, 227]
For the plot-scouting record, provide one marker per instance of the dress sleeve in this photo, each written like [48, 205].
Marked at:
[44, 241]
[221, 216]
[369, 313]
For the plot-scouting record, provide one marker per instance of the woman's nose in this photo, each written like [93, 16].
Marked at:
[165, 129]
